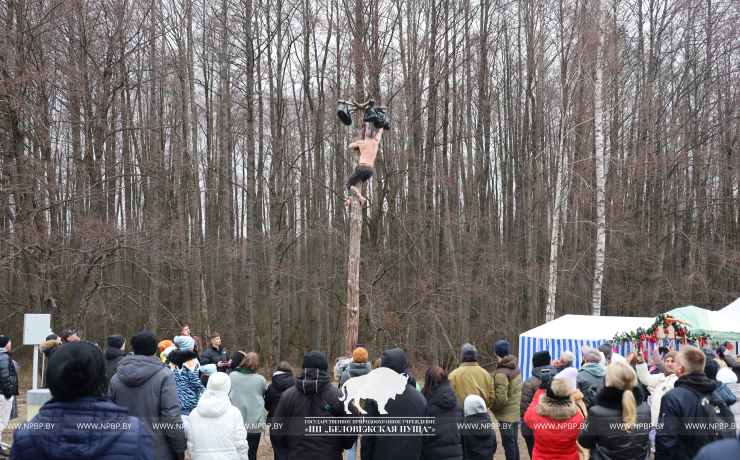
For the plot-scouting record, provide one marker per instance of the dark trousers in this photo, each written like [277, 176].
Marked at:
[280, 452]
[253, 439]
[530, 444]
[509, 439]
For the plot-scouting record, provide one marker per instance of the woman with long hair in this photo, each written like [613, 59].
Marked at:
[619, 420]
[443, 405]
[248, 390]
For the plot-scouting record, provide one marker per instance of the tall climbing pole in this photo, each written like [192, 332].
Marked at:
[355, 234]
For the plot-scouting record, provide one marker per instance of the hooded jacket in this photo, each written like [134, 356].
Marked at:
[355, 370]
[529, 388]
[281, 381]
[727, 449]
[68, 438]
[662, 385]
[608, 442]
[556, 425]
[479, 438]
[113, 356]
[589, 377]
[445, 442]
[671, 441]
[8, 375]
[215, 430]
[296, 404]
[408, 404]
[507, 381]
[49, 347]
[248, 393]
[471, 379]
[145, 386]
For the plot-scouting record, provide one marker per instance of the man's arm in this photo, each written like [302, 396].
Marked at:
[658, 360]
[730, 361]
[501, 392]
[644, 376]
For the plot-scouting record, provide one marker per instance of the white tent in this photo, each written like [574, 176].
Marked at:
[732, 311]
[570, 332]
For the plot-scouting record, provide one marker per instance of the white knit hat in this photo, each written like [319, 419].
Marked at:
[219, 382]
[726, 376]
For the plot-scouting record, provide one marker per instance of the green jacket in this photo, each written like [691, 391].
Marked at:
[508, 382]
[471, 379]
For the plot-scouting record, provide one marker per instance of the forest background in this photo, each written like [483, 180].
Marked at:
[180, 162]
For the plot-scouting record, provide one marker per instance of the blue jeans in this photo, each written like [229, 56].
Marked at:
[509, 439]
[352, 452]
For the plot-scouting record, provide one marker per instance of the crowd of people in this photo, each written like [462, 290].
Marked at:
[167, 397]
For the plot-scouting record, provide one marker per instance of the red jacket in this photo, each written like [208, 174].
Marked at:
[553, 439]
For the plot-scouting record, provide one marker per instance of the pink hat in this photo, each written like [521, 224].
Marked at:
[568, 374]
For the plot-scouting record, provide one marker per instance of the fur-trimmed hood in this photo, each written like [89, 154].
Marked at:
[48, 347]
[556, 409]
[611, 397]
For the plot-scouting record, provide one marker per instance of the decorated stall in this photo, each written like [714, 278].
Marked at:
[570, 332]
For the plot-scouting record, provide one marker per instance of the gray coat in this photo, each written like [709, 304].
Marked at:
[355, 370]
[590, 379]
[147, 387]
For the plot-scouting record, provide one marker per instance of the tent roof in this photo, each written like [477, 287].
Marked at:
[715, 323]
[586, 327]
[733, 310]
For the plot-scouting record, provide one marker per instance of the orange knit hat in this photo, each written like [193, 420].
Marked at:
[359, 355]
[164, 344]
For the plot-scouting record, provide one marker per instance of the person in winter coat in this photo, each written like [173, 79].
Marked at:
[62, 428]
[114, 354]
[8, 382]
[207, 370]
[147, 388]
[591, 376]
[359, 366]
[470, 378]
[540, 362]
[217, 354]
[661, 383]
[312, 388]
[507, 381]
[619, 402]
[728, 378]
[710, 370]
[444, 407]
[570, 375]
[51, 345]
[248, 390]
[555, 421]
[215, 428]
[282, 379]
[479, 438]
[724, 353]
[727, 449]
[185, 367]
[410, 403]
[566, 360]
[674, 441]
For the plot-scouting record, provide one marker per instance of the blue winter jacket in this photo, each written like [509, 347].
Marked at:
[62, 430]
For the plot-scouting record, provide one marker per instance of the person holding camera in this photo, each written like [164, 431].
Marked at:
[540, 362]
[216, 354]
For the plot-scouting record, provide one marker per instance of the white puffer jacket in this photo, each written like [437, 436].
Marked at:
[662, 385]
[216, 430]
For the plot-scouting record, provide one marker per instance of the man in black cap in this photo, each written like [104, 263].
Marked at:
[114, 353]
[312, 396]
[79, 422]
[145, 386]
[70, 336]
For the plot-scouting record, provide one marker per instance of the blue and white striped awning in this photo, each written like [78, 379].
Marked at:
[570, 332]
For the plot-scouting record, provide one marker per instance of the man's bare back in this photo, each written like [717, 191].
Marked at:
[368, 148]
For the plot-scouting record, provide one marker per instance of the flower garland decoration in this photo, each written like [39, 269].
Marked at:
[649, 336]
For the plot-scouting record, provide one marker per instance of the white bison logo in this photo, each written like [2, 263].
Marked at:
[381, 385]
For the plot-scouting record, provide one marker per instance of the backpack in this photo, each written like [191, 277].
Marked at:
[714, 421]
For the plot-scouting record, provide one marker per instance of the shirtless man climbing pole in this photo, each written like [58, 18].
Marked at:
[364, 170]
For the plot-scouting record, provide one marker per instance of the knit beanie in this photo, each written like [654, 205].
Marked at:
[606, 349]
[568, 374]
[237, 359]
[315, 360]
[144, 343]
[501, 348]
[468, 353]
[75, 370]
[591, 354]
[219, 382]
[558, 389]
[4, 339]
[541, 358]
[184, 342]
[164, 344]
[474, 404]
[671, 354]
[52, 336]
[209, 369]
[115, 341]
[617, 358]
[359, 355]
[726, 376]
[710, 369]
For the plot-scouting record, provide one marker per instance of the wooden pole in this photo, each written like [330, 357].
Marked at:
[355, 235]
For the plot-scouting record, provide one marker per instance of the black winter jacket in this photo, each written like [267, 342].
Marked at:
[112, 357]
[296, 404]
[8, 376]
[608, 443]
[678, 405]
[280, 383]
[445, 442]
[213, 356]
[529, 388]
[479, 439]
[410, 403]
